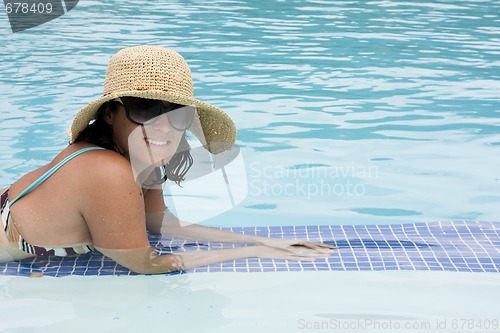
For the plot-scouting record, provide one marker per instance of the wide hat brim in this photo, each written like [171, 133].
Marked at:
[213, 127]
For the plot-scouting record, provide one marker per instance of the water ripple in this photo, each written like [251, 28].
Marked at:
[408, 87]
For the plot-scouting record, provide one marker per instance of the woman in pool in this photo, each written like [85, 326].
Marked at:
[99, 192]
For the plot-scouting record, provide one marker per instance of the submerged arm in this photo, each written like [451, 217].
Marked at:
[160, 220]
[168, 224]
[146, 260]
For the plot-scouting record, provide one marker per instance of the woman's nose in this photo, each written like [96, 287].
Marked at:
[161, 123]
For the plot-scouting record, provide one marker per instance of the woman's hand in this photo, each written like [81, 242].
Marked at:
[297, 246]
[300, 253]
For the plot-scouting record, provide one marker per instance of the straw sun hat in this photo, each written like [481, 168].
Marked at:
[158, 73]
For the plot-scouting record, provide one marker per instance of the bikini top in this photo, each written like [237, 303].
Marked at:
[13, 234]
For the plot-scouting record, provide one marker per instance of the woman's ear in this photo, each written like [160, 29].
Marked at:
[108, 115]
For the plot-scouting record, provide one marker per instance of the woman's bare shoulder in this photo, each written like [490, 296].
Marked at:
[111, 202]
[96, 162]
[104, 169]
[100, 173]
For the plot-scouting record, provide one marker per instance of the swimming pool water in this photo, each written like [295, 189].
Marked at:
[348, 112]
[322, 92]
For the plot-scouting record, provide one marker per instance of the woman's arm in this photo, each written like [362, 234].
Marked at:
[146, 260]
[160, 220]
[169, 224]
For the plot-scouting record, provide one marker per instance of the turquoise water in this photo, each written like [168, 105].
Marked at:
[349, 112]
[395, 100]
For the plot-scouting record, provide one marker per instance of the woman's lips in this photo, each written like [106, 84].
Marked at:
[158, 143]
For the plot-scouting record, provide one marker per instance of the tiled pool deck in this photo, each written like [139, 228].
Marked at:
[462, 246]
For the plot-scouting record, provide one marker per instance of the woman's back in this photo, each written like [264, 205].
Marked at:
[50, 215]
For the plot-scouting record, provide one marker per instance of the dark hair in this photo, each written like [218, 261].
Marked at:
[100, 133]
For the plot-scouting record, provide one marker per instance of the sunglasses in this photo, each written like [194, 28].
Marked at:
[142, 111]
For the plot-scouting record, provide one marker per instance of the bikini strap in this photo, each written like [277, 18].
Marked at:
[49, 173]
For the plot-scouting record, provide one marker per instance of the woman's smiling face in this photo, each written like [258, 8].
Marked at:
[153, 143]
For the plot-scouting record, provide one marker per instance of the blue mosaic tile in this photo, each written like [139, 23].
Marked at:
[464, 246]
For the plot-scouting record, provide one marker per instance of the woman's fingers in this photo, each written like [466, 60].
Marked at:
[308, 252]
[297, 248]
[315, 245]
[300, 247]
[326, 246]
[297, 242]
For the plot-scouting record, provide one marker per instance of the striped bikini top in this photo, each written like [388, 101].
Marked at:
[13, 234]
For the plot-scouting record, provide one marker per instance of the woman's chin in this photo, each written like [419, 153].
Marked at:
[157, 160]
[151, 158]
[161, 159]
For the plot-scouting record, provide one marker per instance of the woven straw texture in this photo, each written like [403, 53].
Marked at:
[158, 73]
